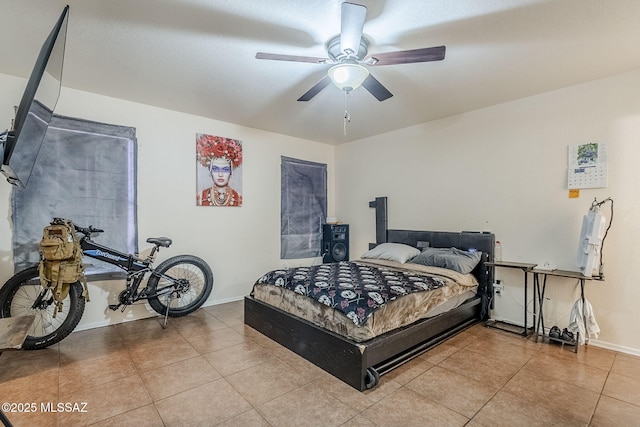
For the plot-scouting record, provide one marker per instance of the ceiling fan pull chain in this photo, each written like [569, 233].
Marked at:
[347, 116]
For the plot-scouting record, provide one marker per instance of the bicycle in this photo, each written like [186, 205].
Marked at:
[175, 288]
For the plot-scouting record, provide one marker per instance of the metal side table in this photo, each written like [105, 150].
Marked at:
[540, 287]
[525, 331]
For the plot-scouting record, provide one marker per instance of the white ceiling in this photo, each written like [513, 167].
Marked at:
[198, 56]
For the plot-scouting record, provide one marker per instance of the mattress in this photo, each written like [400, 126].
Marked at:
[451, 290]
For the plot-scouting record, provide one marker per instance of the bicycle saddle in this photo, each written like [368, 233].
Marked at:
[165, 242]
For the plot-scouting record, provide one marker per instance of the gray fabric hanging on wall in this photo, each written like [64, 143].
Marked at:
[303, 207]
[86, 172]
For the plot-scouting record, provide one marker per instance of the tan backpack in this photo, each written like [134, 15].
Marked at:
[61, 260]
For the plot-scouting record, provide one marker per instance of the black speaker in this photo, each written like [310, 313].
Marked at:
[335, 242]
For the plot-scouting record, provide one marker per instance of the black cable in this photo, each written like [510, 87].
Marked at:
[598, 204]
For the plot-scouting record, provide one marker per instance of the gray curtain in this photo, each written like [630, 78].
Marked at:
[303, 208]
[86, 172]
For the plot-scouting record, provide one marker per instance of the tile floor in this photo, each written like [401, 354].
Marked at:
[208, 369]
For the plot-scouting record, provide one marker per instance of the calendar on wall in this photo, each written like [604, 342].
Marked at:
[587, 166]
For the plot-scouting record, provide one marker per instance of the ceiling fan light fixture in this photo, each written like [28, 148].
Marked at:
[348, 76]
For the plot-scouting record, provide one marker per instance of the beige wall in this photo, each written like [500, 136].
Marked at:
[504, 169]
[238, 243]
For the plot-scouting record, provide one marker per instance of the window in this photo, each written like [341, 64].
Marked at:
[303, 208]
[86, 172]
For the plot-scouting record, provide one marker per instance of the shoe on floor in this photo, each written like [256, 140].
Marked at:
[554, 332]
[568, 336]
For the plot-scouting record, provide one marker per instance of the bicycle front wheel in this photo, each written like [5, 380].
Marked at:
[24, 295]
[181, 285]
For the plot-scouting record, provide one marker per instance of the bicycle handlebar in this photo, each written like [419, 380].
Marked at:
[87, 231]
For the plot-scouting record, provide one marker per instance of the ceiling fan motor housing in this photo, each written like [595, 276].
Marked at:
[337, 55]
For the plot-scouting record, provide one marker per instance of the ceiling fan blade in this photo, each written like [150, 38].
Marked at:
[352, 23]
[376, 88]
[315, 89]
[425, 54]
[294, 58]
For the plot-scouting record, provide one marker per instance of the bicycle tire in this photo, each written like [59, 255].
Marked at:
[17, 297]
[194, 271]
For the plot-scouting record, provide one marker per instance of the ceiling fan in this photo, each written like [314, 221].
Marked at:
[348, 51]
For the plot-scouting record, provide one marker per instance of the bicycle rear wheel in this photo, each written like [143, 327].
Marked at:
[187, 281]
[24, 295]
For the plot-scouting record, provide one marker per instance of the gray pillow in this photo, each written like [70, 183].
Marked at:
[451, 258]
[392, 251]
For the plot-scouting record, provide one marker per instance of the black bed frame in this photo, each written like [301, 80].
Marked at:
[361, 364]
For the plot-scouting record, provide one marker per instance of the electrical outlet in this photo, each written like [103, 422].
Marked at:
[498, 287]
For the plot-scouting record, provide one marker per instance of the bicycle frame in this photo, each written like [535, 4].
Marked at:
[135, 267]
[127, 262]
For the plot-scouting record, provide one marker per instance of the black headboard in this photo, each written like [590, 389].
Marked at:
[465, 240]
[479, 240]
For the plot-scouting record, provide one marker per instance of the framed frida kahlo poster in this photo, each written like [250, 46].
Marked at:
[219, 171]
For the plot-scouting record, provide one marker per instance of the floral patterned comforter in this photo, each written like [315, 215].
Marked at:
[354, 288]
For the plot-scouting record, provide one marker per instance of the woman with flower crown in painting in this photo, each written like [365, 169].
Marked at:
[220, 156]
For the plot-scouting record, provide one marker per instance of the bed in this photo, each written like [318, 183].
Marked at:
[358, 345]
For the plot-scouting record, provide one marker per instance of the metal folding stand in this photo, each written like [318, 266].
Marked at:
[539, 295]
[525, 331]
[539, 290]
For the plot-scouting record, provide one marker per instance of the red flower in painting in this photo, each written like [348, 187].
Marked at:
[209, 147]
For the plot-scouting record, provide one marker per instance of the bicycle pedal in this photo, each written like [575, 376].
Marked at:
[114, 307]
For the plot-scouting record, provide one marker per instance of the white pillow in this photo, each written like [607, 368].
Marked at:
[392, 251]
